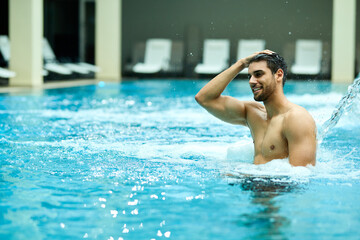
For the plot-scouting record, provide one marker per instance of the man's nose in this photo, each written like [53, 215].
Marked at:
[252, 80]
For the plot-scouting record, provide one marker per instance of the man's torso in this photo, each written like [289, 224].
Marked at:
[269, 140]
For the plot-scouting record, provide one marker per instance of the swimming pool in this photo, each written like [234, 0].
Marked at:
[141, 160]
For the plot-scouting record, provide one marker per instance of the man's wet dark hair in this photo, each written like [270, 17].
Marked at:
[274, 62]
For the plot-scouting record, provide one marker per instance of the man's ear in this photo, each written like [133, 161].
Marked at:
[279, 75]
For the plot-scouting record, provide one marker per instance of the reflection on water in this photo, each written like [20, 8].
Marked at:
[267, 218]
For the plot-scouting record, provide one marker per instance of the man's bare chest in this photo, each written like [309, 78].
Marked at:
[269, 141]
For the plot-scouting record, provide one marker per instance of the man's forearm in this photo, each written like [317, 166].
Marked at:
[217, 85]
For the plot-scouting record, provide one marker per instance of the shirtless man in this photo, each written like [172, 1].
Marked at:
[279, 128]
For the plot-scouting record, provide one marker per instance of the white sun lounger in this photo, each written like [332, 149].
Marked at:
[157, 56]
[215, 56]
[52, 64]
[5, 73]
[5, 52]
[308, 57]
[246, 47]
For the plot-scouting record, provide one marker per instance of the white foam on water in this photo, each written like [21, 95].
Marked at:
[241, 151]
[240, 157]
[328, 166]
[236, 158]
[187, 153]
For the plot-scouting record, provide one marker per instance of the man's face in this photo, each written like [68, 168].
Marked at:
[262, 81]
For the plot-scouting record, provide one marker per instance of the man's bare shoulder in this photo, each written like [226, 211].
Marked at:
[299, 117]
[297, 111]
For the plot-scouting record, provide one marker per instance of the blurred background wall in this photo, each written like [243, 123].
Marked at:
[69, 25]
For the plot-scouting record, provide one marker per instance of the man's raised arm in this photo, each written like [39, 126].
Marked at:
[225, 108]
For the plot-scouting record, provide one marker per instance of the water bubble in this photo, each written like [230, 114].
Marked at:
[289, 33]
[130, 102]
[114, 213]
[162, 223]
[154, 196]
[135, 212]
[167, 234]
[135, 202]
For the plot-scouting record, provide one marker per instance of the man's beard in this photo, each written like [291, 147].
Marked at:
[266, 93]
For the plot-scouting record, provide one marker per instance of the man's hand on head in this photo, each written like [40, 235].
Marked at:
[245, 61]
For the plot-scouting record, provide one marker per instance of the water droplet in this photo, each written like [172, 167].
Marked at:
[135, 202]
[167, 234]
[162, 223]
[154, 196]
[135, 212]
[114, 213]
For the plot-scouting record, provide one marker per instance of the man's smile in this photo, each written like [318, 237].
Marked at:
[256, 89]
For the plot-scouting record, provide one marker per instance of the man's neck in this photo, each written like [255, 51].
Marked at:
[276, 104]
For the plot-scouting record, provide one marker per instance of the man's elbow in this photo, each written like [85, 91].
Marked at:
[197, 97]
[200, 99]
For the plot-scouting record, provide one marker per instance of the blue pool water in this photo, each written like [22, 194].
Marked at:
[142, 160]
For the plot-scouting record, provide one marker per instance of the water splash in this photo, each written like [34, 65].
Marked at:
[344, 105]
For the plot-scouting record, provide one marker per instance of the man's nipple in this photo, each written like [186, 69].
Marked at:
[272, 147]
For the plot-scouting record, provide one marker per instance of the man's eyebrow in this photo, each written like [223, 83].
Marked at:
[256, 71]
